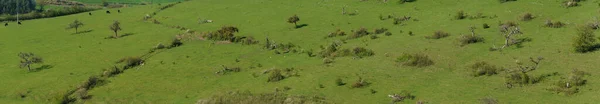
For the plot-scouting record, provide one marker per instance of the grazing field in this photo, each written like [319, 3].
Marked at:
[204, 66]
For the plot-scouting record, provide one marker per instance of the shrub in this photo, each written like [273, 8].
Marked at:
[48, 13]
[438, 35]
[470, 39]
[585, 41]
[275, 76]
[401, 97]
[225, 33]
[416, 60]
[362, 52]
[410, 33]
[359, 83]
[227, 70]
[359, 33]
[264, 98]
[526, 17]
[131, 62]
[374, 37]
[488, 100]
[176, 43]
[338, 32]
[380, 30]
[92, 82]
[571, 3]
[249, 41]
[485, 26]
[569, 85]
[159, 46]
[483, 68]
[388, 33]
[503, 1]
[339, 82]
[551, 24]
[460, 15]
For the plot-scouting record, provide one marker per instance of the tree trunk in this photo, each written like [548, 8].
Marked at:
[295, 24]
[116, 34]
[76, 30]
[28, 67]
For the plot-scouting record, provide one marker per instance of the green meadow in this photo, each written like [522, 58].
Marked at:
[187, 73]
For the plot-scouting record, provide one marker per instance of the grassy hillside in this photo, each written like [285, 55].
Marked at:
[186, 74]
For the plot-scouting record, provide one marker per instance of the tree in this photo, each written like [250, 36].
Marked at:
[115, 27]
[41, 3]
[509, 30]
[29, 58]
[585, 40]
[14, 6]
[76, 24]
[294, 19]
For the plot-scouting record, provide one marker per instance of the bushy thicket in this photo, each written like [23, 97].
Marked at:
[416, 60]
[555, 24]
[47, 14]
[483, 68]
[470, 39]
[338, 32]
[438, 35]
[585, 41]
[460, 15]
[333, 50]
[227, 33]
[282, 48]
[359, 33]
[131, 62]
[570, 85]
[11, 7]
[503, 1]
[526, 17]
[360, 83]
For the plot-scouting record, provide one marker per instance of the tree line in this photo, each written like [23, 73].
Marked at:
[12, 6]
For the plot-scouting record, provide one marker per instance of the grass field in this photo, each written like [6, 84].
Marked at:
[187, 73]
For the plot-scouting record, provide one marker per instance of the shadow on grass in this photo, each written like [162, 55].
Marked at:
[83, 32]
[519, 42]
[301, 25]
[124, 35]
[43, 67]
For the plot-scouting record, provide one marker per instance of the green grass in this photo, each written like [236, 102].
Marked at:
[187, 73]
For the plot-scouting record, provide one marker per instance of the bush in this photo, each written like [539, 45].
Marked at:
[360, 83]
[359, 33]
[388, 34]
[264, 98]
[339, 82]
[380, 30]
[551, 24]
[131, 62]
[275, 76]
[526, 17]
[488, 100]
[226, 33]
[176, 43]
[483, 68]
[503, 1]
[571, 3]
[470, 39]
[48, 13]
[92, 82]
[460, 15]
[416, 60]
[401, 97]
[438, 35]
[358, 52]
[485, 26]
[569, 85]
[338, 32]
[585, 41]
[249, 41]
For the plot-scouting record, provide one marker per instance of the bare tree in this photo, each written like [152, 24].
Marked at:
[509, 31]
[115, 27]
[76, 24]
[29, 58]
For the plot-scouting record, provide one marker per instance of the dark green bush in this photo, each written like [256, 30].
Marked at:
[526, 17]
[585, 41]
[503, 1]
[556, 24]
[47, 13]
[483, 68]
[460, 15]
[339, 82]
[485, 26]
[571, 84]
[338, 32]
[264, 98]
[470, 39]
[359, 33]
[131, 62]
[92, 82]
[388, 34]
[416, 60]
[360, 83]
[380, 30]
[275, 76]
[438, 35]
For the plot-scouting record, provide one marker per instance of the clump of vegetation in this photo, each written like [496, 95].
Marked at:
[280, 48]
[571, 3]
[520, 74]
[399, 20]
[359, 33]
[115, 27]
[76, 24]
[358, 52]
[438, 35]
[556, 24]
[486, 26]
[294, 19]
[585, 41]
[227, 70]
[226, 33]
[416, 60]
[483, 68]
[27, 59]
[401, 97]
[265, 98]
[569, 85]
[470, 39]
[360, 83]
[339, 82]
[503, 1]
[131, 62]
[176, 43]
[380, 30]
[509, 30]
[488, 100]
[460, 15]
[388, 33]
[526, 17]
[405, 1]
[275, 76]
[338, 32]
